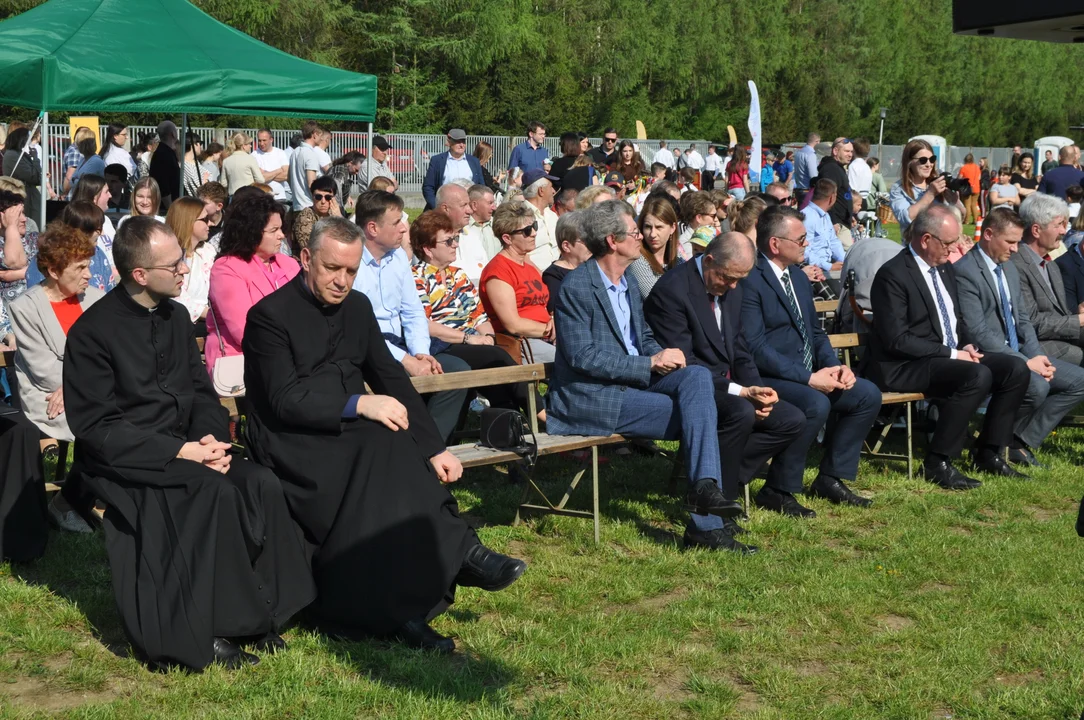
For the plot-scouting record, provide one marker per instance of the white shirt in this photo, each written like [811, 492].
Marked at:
[472, 256]
[105, 239]
[711, 163]
[780, 273]
[119, 156]
[197, 283]
[325, 159]
[664, 157]
[733, 388]
[545, 251]
[457, 169]
[694, 160]
[924, 268]
[860, 177]
[272, 161]
[1074, 210]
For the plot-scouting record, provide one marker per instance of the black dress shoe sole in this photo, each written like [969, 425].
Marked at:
[852, 499]
[1001, 471]
[726, 511]
[738, 548]
[442, 647]
[509, 575]
[808, 515]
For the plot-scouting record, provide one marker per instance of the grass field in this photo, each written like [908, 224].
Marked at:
[929, 605]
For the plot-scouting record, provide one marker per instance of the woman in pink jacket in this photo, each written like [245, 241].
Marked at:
[249, 267]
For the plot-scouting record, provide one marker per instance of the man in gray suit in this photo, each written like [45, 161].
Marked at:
[1057, 324]
[992, 304]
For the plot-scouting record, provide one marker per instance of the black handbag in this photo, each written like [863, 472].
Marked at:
[504, 429]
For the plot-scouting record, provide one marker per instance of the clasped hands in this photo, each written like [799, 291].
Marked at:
[829, 379]
[208, 451]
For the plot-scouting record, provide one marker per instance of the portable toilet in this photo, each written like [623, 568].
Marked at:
[1053, 144]
[940, 148]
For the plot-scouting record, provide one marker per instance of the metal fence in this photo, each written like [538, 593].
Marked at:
[409, 153]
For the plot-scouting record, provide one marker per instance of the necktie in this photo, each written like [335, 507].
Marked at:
[807, 349]
[1045, 260]
[950, 339]
[1006, 311]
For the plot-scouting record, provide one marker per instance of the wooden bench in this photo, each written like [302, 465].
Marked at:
[896, 402]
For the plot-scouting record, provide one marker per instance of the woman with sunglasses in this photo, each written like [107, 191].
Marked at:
[324, 204]
[919, 185]
[240, 168]
[188, 220]
[513, 292]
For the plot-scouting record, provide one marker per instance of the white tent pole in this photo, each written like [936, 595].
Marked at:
[44, 168]
[369, 159]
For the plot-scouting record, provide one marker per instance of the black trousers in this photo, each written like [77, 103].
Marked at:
[962, 386]
[746, 442]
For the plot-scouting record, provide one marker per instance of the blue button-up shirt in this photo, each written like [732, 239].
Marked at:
[805, 167]
[619, 301]
[824, 246]
[528, 158]
[389, 284]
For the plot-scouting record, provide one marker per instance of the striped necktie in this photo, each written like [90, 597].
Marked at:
[807, 348]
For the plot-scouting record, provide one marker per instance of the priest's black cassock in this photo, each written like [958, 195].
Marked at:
[194, 554]
[386, 537]
[24, 526]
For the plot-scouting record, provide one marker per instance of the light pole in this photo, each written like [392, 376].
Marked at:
[881, 140]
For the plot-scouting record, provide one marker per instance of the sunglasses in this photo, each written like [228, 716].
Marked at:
[323, 196]
[527, 231]
[452, 241]
[923, 160]
[610, 140]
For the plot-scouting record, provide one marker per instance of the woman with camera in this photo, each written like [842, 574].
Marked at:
[919, 186]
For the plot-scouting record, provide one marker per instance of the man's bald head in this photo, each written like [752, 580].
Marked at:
[454, 200]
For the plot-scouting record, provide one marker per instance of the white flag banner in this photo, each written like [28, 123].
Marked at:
[754, 130]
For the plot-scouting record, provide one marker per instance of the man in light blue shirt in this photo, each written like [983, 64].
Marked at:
[824, 249]
[805, 164]
[619, 301]
[385, 277]
[531, 153]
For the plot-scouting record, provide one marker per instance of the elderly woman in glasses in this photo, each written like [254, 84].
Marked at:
[457, 320]
[513, 292]
[324, 190]
[919, 185]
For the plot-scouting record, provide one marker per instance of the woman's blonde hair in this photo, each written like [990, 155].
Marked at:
[587, 196]
[147, 183]
[13, 185]
[181, 217]
[238, 142]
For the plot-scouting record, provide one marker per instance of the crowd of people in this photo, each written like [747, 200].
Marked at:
[670, 308]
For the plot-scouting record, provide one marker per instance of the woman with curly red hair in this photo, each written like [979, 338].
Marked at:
[41, 318]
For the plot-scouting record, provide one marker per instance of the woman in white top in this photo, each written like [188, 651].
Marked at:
[240, 168]
[146, 198]
[188, 219]
[94, 189]
[113, 152]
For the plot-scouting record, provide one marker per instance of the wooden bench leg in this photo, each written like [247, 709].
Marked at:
[910, 451]
[594, 488]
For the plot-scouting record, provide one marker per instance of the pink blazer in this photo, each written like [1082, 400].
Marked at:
[236, 286]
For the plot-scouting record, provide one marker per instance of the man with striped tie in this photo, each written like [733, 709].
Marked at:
[921, 343]
[796, 359]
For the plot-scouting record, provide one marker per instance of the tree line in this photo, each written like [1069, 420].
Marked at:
[681, 68]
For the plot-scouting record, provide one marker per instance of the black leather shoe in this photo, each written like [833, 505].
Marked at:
[991, 462]
[716, 540]
[943, 473]
[833, 490]
[230, 656]
[483, 568]
[732, 528]
[705, 498]
[418, 634]
[270, 643]
[1024, 456]
[781, 502]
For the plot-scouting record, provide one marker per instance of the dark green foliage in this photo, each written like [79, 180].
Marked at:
[681, 68]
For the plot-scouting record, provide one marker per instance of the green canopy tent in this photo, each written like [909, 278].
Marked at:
[158, 56]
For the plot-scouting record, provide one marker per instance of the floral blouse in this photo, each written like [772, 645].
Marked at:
[449, 297]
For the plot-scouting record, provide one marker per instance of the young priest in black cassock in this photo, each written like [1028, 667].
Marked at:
[362, 472]
[202, 549]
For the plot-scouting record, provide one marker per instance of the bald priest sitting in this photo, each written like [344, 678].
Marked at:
[362, 470]
[201, 546]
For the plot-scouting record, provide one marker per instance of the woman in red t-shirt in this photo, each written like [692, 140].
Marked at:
[41, 318]
[737, 174]
[513, 293]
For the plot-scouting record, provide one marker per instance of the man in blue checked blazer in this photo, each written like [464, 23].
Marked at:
[795, 358]
[696, 307]
[995, 312]
[611, 376]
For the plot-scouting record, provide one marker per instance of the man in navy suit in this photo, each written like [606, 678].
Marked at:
[611, 376]
[453, 164]
[696, 307]
[796, 359]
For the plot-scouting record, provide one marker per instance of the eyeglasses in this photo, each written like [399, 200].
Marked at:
[323, 196]
[924, 160]
[451, 242]
[946, 243]
[800, 242]
[175, 268]
[527, 231]
[634, 233]
[204, 219]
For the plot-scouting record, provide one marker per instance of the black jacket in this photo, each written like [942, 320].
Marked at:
[841, 211]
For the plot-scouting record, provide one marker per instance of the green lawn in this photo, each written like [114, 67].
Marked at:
[929, 605]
